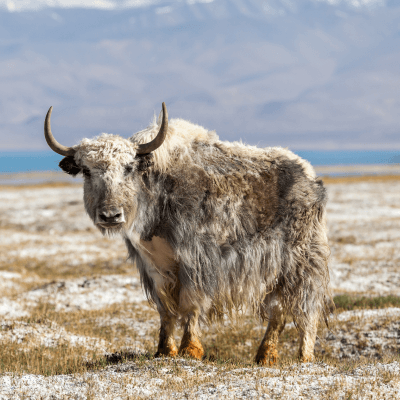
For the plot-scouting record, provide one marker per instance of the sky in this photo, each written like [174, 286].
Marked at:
[307, 74]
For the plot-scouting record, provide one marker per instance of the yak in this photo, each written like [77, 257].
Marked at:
[214, 227]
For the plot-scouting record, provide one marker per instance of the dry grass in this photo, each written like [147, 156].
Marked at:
[101, 323]
[43, 185]
[360, 178]
[231, 346]
[45, 269]
[31, 356]
[229, 358]
[47, 361]
[346, 302]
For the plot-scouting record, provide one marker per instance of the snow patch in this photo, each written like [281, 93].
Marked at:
[45, 335]
[88, 294]
[123, 380]
[11, 309]
[367, 314]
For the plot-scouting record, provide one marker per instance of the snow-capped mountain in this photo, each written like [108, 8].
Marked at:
[304, 73]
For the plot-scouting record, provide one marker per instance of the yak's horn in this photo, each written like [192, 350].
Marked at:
[54, 145]
[159, 139]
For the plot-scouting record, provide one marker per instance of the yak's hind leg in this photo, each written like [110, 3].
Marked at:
[308, 336]
[268, 352]
[190, 345]
[166, 344]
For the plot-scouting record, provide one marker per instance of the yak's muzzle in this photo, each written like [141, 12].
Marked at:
[110, 217]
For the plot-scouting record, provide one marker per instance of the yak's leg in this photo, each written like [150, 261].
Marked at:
[190, 345]
[166, 344]
[308, 336]
[268, 352]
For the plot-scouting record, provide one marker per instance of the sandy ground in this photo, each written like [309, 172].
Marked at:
[51, 254]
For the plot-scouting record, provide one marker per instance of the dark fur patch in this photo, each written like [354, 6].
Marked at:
[68, 165]
[145, 161]
[321, 192]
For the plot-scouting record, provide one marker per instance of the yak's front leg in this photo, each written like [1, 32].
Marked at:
[190, 345]
[166, 344]
[268, 351]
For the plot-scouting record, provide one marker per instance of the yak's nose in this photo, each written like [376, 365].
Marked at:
[111, 216]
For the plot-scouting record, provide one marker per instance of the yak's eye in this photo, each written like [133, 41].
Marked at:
[128, 169]
[86, 172]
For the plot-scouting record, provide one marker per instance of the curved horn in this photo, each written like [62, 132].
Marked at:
[159, 139]
[54, 145]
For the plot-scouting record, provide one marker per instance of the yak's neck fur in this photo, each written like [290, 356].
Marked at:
[242, 222]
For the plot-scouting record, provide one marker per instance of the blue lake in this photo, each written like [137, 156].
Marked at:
[11, 162]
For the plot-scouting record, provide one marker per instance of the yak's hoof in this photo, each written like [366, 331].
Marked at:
[170, 351]
[192, 349]
[267, 355]
[306, 359]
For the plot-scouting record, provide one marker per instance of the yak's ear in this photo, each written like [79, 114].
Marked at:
[68, 165]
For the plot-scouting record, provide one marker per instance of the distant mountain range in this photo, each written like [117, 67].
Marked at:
[308, 74]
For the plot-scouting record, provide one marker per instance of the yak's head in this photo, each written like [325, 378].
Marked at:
[110, 165]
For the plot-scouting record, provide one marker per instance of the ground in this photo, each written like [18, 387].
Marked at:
[75, 324]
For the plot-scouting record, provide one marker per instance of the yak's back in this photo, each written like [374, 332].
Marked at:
[190, 141]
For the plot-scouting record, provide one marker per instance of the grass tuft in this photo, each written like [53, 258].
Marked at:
[345, 302]
[46, 361]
